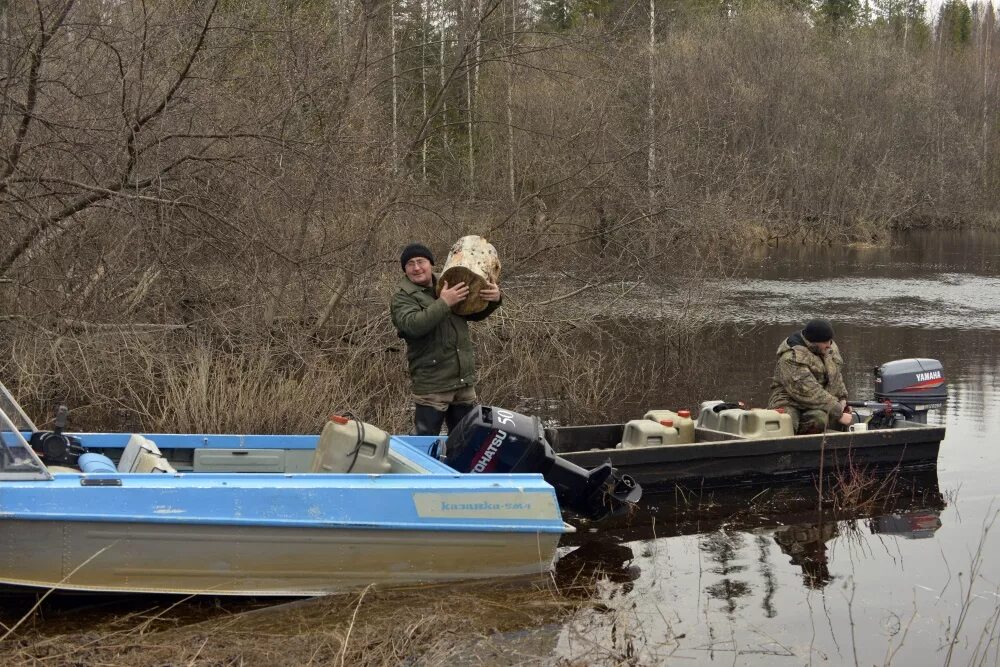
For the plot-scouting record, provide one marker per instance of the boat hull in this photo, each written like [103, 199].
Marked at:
[279, 534]
[722, 459]
[255, 560]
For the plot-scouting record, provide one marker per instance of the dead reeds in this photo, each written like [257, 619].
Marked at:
[851, 487]
[422, 626]
[573, 365]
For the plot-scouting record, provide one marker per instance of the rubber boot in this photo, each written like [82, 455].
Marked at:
[427, 420]
[455, 413]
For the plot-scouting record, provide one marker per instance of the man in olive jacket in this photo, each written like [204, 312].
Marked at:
[808, 382]
[438, 347]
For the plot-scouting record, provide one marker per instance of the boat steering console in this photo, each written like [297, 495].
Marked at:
[55, 447]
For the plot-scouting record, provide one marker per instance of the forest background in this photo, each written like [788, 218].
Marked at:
[203, 204]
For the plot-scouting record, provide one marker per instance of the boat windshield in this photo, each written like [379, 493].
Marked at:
[13, 410]
[17, 459]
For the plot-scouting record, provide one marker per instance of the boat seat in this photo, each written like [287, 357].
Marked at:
[143, 456]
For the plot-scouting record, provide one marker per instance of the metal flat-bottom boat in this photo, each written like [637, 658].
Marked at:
[717, 458]
[730, 445]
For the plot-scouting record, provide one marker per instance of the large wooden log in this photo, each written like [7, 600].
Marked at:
[475, 262]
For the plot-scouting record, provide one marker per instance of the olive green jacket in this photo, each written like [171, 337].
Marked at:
[438, 347]
[806, 380]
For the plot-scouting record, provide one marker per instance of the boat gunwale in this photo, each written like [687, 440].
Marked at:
[313, 489]
[736, 446]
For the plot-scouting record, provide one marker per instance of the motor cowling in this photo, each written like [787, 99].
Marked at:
[905, 389]
[917, 384]
[494, 440]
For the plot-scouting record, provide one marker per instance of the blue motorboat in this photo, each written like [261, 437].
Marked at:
[258, 514]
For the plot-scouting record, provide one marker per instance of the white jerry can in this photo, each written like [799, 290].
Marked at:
[648, 433]
[341, 449]
[707, 417]
[731, 420]
[764, 423]
[681, 419]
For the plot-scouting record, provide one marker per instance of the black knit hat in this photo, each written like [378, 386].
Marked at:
[818, 331]
[415, 250]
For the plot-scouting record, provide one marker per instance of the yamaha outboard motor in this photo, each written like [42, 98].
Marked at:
[910, 387]
[918, 384]
[491, 439]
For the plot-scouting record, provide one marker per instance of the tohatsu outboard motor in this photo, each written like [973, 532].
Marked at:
[491, 439]
[909, 387]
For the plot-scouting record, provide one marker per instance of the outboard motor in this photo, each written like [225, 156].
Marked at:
[910, 387]
[491, 439]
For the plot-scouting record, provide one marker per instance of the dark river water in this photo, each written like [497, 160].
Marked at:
[908, 572]
[911, 576]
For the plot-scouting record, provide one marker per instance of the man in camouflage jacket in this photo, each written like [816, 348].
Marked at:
[438, 347]
[808, 382]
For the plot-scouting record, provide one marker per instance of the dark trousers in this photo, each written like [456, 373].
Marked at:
[428, 420]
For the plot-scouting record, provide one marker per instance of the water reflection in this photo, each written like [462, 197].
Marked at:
[942, 301]
[842, 583]
[766, 571]
[723, 549]
[599, 558]
[714, 568]
[736, 527]
[805, 545]
[916, 525]
[915, 254]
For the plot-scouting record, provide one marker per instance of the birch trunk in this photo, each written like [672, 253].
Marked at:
[479, 43]
[510, 102]
[474, 84]
[444, 106]
[7, 50]
[650, 109]
[988, 26]
[469, 33]
[423, 85]
[340, 14]
[395, 86]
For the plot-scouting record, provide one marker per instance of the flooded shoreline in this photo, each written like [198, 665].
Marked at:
[785, 574]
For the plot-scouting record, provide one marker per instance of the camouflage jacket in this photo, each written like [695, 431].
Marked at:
[806, 380]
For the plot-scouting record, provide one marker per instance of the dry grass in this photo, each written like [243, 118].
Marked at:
[165, 382]
[570, 362]
[485, 625]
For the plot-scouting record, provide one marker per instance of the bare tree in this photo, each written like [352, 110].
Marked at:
[395, 85]
[424, 25]
[988, 29]
[651, 108]
[136, 166]
[509, 106]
